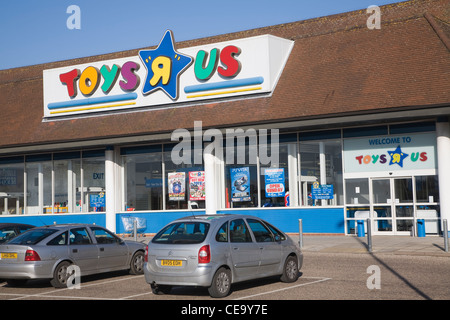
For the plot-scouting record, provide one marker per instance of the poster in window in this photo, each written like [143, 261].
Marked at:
[240, 184]
[274, 182]
[177, 188]
[197, 185]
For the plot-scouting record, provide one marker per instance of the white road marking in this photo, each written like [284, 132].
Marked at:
[284, 289]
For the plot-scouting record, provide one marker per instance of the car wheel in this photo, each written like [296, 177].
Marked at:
[137, 263]
[60, 275]
[290, 270]
[160, 289]
[221, 284]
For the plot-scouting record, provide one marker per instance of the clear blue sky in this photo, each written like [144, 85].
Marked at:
[34, 32]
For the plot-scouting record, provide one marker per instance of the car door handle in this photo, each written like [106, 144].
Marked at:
[235, 248]
[74, 250]
[102, 249]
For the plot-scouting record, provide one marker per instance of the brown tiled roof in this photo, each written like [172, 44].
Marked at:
[337, 67]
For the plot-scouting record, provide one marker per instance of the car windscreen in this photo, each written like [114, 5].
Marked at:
[32, 236]
[182, 233]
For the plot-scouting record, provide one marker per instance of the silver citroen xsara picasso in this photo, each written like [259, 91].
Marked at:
[215, 251]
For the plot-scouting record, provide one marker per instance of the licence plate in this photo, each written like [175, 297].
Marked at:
[8, 255]
[172, 263]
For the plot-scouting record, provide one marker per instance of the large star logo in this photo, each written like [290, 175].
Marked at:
[397, 156]
[164, 67]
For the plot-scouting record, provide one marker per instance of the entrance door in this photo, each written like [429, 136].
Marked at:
[392, 205]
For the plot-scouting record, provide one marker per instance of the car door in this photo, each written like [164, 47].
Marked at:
[112, 251]
[82, 250]
[270, 250]
[245, 253]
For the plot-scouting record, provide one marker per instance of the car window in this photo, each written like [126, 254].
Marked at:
[261, 233]
[32, 236]
[103, 236]
[182, 233]
[222, 234]
[239, 231]
[7, 233]
[275, 231]
[59, 240]
[79, 236]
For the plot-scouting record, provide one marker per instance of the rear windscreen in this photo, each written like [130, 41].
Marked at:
[32, 236]
[182, 233]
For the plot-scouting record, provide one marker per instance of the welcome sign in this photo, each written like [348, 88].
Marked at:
[165, 76]
[390, 153]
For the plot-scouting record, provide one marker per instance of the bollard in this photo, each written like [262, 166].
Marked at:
[300, 233]
[360, 227]
[421, 228]
[135, 229]
[445, 235]
[369, 235]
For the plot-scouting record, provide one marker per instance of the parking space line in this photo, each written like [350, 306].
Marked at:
[45, 294]
[136, 295]
[288, 288]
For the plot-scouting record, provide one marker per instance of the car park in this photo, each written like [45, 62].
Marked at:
[215, 251]
[10, 230]
[48, 252]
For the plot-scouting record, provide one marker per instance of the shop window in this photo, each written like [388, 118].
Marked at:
[93, 190]
[241, 175]
[143, 176]
[274, 180]
[357, 191]
[185, 184]
[67, 173]
[427, 189]
[39, 184]
[321, 173]
[12, 186]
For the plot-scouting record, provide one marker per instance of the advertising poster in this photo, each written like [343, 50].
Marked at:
[176, 186]
[197, 185]
[274, 182]
[240, 184]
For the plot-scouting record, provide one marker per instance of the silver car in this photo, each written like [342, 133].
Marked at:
[215, 251]
[47, 252]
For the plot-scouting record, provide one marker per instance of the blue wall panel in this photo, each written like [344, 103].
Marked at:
[317, 220]
[323, 220]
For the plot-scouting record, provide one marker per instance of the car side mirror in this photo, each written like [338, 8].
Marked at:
[277, 238]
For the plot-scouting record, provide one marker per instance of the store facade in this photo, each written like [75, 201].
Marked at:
[287, 122]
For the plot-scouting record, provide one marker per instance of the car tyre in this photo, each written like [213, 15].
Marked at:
[290, 270]
[221, 283]
[137, 263]
[160, 289]
[60, 275]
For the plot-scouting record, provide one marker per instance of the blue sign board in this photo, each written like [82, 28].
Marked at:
[322, 192]
[274, 182]
[97, 200]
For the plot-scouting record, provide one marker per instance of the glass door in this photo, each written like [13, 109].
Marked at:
[392, 205]
[382, 206]
[404, 205]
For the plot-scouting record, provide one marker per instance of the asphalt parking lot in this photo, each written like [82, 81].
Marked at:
[335, 268]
